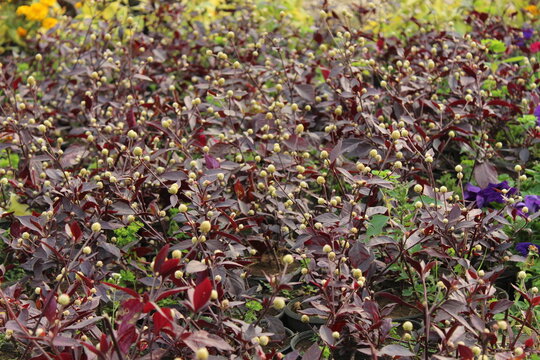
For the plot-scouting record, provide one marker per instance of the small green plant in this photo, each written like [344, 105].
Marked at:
[128, 234]
[253, 307]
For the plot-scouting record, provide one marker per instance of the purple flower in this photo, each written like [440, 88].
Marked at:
[537, 114]
[524, 247]
[492, 193]
[527, 33]
[532, 202]
[471, 192]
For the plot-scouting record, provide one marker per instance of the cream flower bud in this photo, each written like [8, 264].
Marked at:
[96, 227]
[288, 259]
[64, 299]
[205, 226]
[279, 303]
[202, 354]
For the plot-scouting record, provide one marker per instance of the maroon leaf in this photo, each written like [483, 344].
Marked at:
[74, 230]
[160, 258]
[201, 295]
[500, 306]
[64, 341]
[130, 119]
[126, 290]
[127, 335]
[500, 102]
[465, 353]
[162, 319]
[49, 311]
[484, 174]
[326, 335]
[195, 266]
[169, 267]
[395, 350]
[168, 293]
[306, 91]
[314, 352]
[325, 72]
[239, 190]
[202, 338]
[211, 162]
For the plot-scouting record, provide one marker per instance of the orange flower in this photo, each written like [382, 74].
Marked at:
[49, 22]
[21, 31]
[533, 9]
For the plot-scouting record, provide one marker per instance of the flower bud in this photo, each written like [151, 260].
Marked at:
[407, 326]
[202, 354]
[288, 259]
[64, 299]
[279, 303]
[96, 227]
[205, 227]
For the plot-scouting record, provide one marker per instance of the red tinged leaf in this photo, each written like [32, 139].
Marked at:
[127, 335]
[160, 258]
[162, 319]
[66, 356]
[325, 72]
[529, 342]
[326, 334]
[380, 44]
[535, 301]
[148, 306]
[201, 295]
[93, 349]
[131, 307]
[499, 102]
[239, 190]
[211, 162]
[168, 293]
[49, 310]
[126, 290]
[74, 230]
[465, 353]
[427, 268]
[169, 267]
[103, 343]
[130, 119]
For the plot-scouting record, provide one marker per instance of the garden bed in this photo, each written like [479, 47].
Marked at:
[200, 181]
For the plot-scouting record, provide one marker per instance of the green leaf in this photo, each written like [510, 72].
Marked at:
[514, 59]
[254, 305]
[376, 225]
[494, 45]
[17, 208]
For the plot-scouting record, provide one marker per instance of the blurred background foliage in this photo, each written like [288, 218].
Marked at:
[24, 19]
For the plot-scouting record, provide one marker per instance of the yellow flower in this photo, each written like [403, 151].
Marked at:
[78, 5]
[23, 10]
[48, 3]
[49, 22]
[21, 31]
[533, 9]
[37, 12]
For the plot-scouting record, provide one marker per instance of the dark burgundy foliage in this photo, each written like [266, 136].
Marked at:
[184, 184]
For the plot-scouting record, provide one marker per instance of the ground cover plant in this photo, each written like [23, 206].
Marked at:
[269, 184]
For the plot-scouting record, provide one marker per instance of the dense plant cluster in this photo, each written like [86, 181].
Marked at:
[178, 189]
